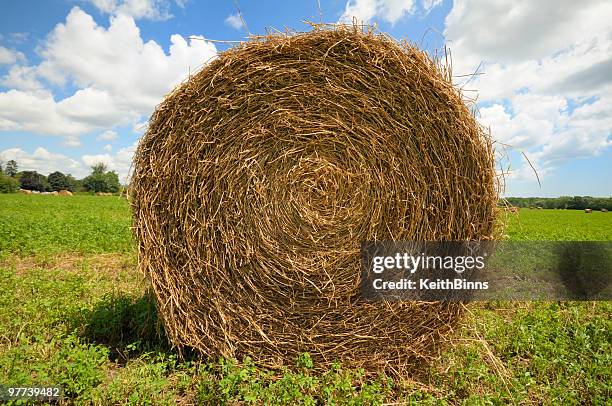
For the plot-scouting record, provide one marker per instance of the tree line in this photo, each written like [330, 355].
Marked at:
[99, 180]
[102, 180]
[563, 202]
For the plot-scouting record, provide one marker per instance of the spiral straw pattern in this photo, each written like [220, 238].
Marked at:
[259, 177]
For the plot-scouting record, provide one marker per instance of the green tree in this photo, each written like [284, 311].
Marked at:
[32, 180]
[563, 202]
[8, 184]
[58, 181]
[11, 168]
[99, 168]
[112, 179]
[101, 180]
[73, 184]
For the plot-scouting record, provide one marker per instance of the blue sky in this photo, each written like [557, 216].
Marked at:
[78, 79]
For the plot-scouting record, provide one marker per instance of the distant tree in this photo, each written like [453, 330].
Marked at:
[577, 203]
[8, 184]
[11, 168]
[1, 168]
[58, 181]
[112, 179]
[73, 184]
[96, 182]
[563, 202]
[100, 167]
[32, 180]
[101, 180]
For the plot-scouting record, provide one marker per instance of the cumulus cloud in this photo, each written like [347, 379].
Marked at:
[91, 160]
[123, 161]
[42, 161]
[21, 78]
[18, 37]
[546, 85]
[141, 127]
[387, 10]
[120, 77]
[234, 21]
[147, 9]
[510, 32]
[72, 141]
[120, 162]
[428, 5]
[108, 135]
[118, 61]
[10, 56]
[45, 162]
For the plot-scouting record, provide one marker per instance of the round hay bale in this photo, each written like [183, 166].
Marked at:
[259, 177]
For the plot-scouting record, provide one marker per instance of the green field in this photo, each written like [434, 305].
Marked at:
[49, 225]
[559, 225]
[74, 312]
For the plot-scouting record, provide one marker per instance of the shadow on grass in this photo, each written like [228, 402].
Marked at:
[127, 325]
[584, 269]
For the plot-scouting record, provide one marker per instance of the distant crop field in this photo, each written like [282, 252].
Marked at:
[75, 312]
[559, 225]
[47, 225]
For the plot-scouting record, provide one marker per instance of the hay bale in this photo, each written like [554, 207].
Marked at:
[259, 177]
[588, 210]
[65, 192]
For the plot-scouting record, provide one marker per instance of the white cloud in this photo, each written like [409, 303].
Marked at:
[37, 112]
[10, 56]
[540, 60]
[42, 161]
[18, 37]
[366, 10]
[91, 160]
[141, 127]
[428, 5]
[108, 148]
[510, 31]
[234, 21]
[148, 9]
[45, 162]
[108, 135]
[120, 162]
[123, 161]
[72, 141]
[21, 78]
[120, 78]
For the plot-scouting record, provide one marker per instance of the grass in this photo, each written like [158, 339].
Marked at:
[74, 312]
[559, 225]
[50, 225]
